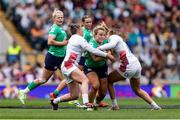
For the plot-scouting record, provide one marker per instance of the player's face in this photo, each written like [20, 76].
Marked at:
[59, 19]
[88, 23]
[100, 36]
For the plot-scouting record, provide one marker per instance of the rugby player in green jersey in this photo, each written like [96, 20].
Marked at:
[86, 27]
[96, 68]
[57, 47]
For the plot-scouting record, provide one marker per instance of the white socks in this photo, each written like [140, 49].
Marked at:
[114, 102]
[26, 90]
[85, 98]
[95, 102]
[57, 100]
[154, 105]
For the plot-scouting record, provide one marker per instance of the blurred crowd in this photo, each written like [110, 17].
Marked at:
[15, 74]
[152, 27]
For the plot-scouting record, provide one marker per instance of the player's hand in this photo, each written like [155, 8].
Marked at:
[98, 48]
[65, 42]
[111, 57]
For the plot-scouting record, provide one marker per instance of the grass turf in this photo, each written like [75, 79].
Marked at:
[130, 109]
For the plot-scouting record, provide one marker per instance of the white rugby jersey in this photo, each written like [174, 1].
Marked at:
[121, 50]
[76, 46]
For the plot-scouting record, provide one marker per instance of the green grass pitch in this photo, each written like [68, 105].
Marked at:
[130, 109]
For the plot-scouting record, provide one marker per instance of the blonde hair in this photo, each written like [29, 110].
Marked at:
[97, 28]
[55, 12]
[104, 26]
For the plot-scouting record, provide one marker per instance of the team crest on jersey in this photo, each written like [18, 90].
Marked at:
[52, 30]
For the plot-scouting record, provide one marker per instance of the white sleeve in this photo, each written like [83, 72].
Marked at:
[113, 42]
[85, 45]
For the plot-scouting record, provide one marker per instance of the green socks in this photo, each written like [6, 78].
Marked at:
[56, 92]
[32, 86]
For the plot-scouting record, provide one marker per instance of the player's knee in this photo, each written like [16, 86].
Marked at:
[96, 86]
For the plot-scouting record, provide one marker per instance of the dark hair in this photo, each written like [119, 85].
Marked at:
[85, 17]
[74, 28]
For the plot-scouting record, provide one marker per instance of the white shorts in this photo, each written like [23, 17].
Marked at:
[67, 71]
[132, 70]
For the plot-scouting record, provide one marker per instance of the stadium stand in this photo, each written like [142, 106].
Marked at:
[153, 28]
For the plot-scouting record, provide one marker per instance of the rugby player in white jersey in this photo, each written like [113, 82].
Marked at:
[127, 66]
[76, 46]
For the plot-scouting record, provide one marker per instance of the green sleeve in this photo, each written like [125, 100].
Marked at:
[105, 41]
[53, 31]
[93, 43]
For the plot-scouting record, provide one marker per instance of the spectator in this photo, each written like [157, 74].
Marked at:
[2, 76]
[16, 73]
[153, 26]
[10, 92]
[28, 73]
[158, 90]
[13, 53]
[37, 36]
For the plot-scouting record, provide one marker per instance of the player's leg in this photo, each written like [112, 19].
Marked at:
[43, 79]
[51, 65]
[62, 84]
[72, 95]
[81, 67]
[60, 87]
[113, 77]
[94, 83]
[102, 74]
[135, 84]
[78, 76]
[102, 93]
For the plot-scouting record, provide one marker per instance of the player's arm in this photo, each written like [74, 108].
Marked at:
[51, 41]
[96, 58]
[109, 45]
[95, 51]
[86, 46]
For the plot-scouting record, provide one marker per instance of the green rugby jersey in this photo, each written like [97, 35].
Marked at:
[87, 34]
[60, 35]
[89, 62]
